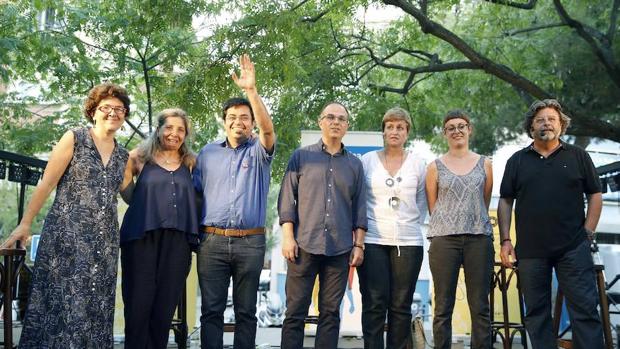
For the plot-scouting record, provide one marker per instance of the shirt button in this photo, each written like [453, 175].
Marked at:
[232, 191]
[328, 200]
[329, 185]
[170, 172]
[541, 156]
[174, 194]
[174, 205]
[327, 215]
[330, 170]
[325, 229]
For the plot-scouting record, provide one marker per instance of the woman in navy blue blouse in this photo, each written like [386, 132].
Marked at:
[158, 231]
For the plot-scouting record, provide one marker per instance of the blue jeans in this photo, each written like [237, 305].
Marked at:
[387, 284]
[333, 272]
[219, 259]
[446, 256]
[576, 279]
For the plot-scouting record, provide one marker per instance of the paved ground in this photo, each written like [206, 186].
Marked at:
[267, 338]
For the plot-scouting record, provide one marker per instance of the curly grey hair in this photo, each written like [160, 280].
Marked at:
[538, 105]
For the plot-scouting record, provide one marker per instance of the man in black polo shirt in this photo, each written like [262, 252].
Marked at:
[548, 179]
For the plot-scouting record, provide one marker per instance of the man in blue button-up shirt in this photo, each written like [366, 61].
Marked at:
[322, 204]
[233, 175]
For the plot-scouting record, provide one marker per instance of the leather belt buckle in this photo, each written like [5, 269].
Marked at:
[233, 233]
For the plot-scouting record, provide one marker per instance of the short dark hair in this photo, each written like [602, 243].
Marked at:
[235, 102]
[456, 114]
[101, 92]
[537, 106]
[335, 102]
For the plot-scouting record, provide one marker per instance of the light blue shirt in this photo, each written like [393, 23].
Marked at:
[234, 183]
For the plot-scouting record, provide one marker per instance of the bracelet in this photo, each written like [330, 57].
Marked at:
[504, 240]
[359, 246]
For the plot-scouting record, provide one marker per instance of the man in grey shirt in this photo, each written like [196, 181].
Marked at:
[322, 209]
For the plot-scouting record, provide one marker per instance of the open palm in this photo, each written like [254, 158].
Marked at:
[246, 79]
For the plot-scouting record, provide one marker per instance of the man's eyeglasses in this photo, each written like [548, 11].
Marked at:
[332, 118]
[106, 109]
[459, 127]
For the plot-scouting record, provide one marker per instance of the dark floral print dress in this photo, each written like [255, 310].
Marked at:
[71, 303]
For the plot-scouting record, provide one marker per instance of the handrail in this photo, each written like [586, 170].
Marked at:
[14, 259]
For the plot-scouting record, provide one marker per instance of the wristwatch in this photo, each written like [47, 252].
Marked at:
[362, 246]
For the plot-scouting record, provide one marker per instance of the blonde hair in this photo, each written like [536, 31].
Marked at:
[395, 114]
[152, 144]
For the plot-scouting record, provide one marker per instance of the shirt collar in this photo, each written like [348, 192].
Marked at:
[224, 142]
[531, 146]
[342, 151]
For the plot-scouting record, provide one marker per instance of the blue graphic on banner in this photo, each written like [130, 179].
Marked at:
[361, 150]
[34, 244]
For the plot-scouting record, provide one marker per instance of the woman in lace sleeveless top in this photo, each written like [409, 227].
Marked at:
[71, 300]
[458, 189]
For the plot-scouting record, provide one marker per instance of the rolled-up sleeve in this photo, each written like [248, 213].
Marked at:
[287, 200]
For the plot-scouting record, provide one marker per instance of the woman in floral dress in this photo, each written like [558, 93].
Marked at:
[71, 302]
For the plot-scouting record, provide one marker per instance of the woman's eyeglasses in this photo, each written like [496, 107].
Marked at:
[106, 109]
[459, 127]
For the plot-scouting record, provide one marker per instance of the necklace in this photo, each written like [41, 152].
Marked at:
[169, 161]
[387, 168]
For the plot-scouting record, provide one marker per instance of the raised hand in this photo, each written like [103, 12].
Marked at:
[247, 78]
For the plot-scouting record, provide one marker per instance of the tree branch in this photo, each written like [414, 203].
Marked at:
[588, 34]
[91, 45]
[135, 128]
[524, 6]
[315, 18]
[300, 4]
[535, 28]
[477, 59]
[613, 21]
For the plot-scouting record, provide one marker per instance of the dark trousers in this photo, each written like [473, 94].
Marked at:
[387, 284]
[446, 256]
[153, 277]
[333, 272]
[576, 279]
[219, 259]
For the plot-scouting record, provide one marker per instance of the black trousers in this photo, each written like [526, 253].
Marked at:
[576, 279]
[388, 278]
[153, 275]
[333, 272]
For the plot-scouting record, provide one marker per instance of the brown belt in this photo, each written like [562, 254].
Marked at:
[234, 232]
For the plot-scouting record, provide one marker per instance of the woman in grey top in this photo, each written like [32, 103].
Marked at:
[458, 190]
